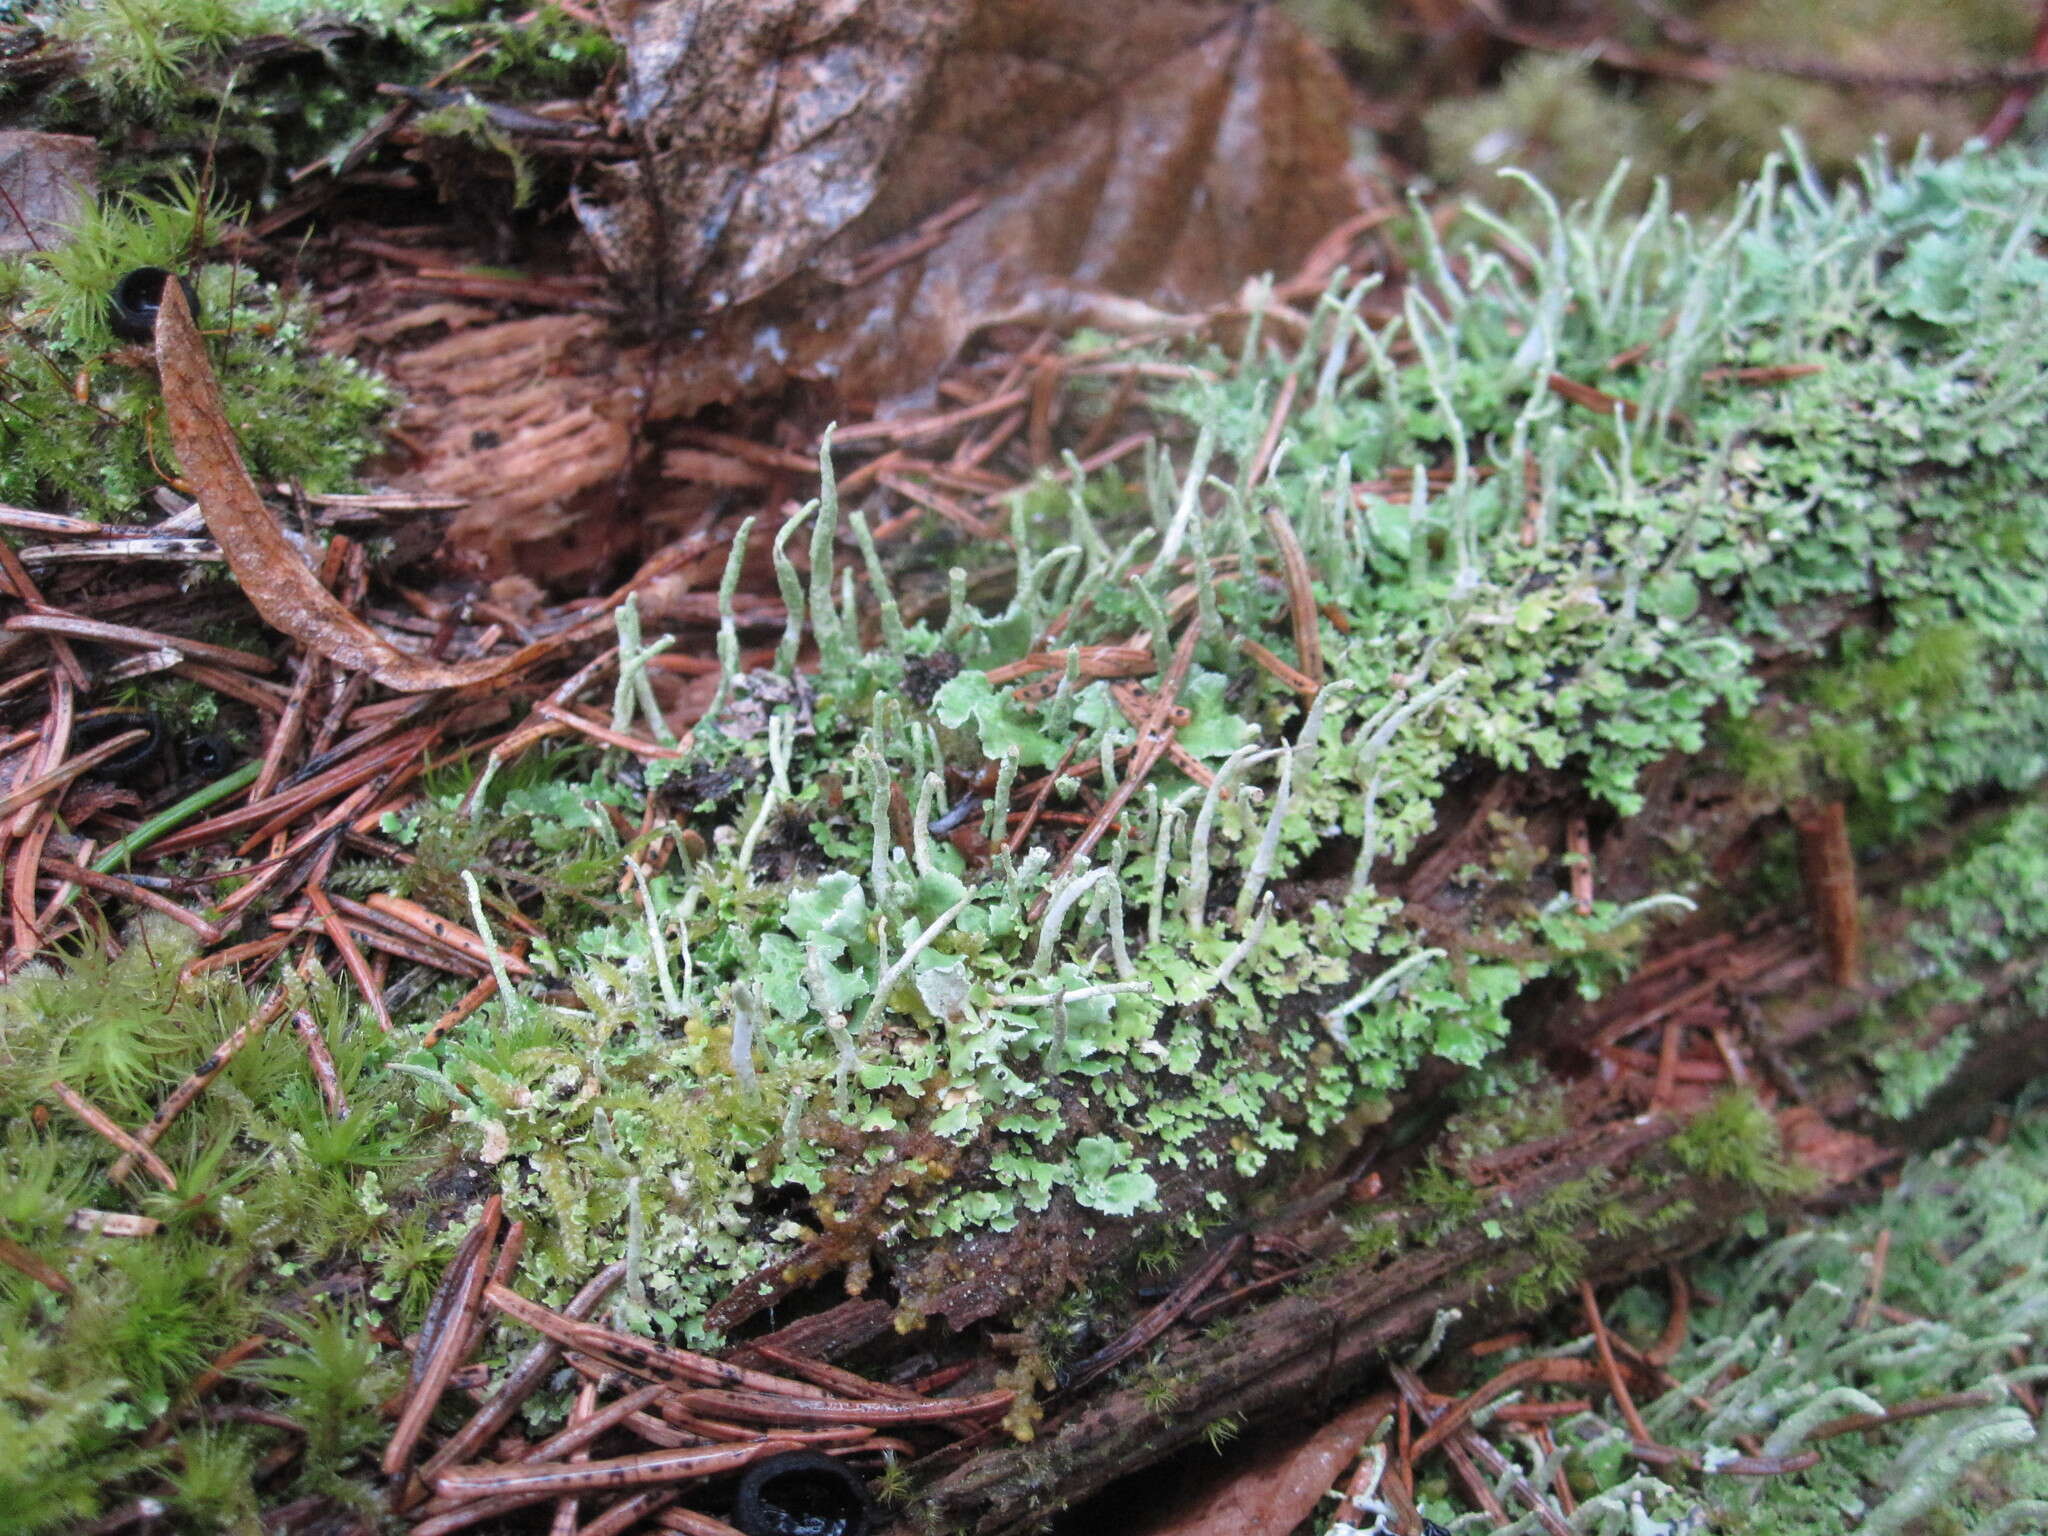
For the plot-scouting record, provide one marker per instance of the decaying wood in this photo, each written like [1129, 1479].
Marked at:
[1315, 1344]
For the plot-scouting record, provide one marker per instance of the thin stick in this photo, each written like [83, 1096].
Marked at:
[453, 1341]
[443, 931]
[582, 1414]
[1615, 1383]
[98, 1120]
[206, 1072]
[639, 1356]
[766, 1408]
[624, 1515]
[1152, 743]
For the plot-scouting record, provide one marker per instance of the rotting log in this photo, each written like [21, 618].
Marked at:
[1308, 1348]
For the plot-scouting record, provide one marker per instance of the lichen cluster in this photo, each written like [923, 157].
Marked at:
[813, 1030]
[831, 1027]
[1807, 1331]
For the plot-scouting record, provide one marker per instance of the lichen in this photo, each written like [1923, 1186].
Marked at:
[1809, 1328]
[881, 1037]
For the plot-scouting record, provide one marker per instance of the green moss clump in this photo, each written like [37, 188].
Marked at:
[261, 87]
[271, 1189]
[77, 422]
[1735, 1138]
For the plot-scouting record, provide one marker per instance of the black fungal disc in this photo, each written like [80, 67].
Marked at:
[801, 1493]
[132, 309]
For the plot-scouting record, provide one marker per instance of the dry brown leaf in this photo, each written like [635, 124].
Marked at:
[847, 194]
[1062, 156]
[764, 126]
[1838, 1156]
[1275, 1486]
[265, 564]
[49, 180]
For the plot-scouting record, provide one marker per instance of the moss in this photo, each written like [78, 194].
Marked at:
[1735, 1138]
[77, 423]
[269, 1188]
[261, 87]
[775, 1064]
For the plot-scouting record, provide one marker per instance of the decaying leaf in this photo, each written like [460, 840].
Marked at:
[765, 128]
[49, 180]
[855, 199]
[845, 195]
[271, 574]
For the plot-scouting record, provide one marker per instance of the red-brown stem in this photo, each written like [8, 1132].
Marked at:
[523, 1381]
[447, 1349]
[98, 1120]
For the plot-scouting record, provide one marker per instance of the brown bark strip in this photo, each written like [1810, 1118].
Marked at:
[464, 1287]
[1827, 865]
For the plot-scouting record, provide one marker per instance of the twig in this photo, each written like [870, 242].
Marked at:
[107, 1130]
[1158, 1320]
[351, 955]
[463, 1287]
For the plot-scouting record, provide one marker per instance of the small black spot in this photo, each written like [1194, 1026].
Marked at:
[133, 305]
[106, 725]
[483, 439]
[207, 755]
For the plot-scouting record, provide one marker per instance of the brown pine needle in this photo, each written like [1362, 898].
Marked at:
[195, 1085]
[107, 1130]
[351, 955]
[1301, 597]
[471, 1000]
[1612, 1367]
[464, 1289]
[19, 1259]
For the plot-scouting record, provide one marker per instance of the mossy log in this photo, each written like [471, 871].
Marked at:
[1634, 1184]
